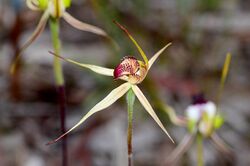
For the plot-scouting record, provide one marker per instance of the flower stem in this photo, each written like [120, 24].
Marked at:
[59, 81]
[130, 103]
[199, 143]
[54, 27]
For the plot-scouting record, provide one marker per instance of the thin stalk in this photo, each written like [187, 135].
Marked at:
[54, 27]
[59, 81]
[199, 144]
[130, 103]
[14, 38]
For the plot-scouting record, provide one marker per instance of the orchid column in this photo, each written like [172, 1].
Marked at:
[53, 10]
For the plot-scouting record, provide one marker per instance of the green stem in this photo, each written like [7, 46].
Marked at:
[199, 143]
[130, 103]
[59, 81]
[54, 27]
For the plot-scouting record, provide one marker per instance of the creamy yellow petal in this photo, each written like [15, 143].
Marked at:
[149, 108]
[106, 102]
[83, 26]
[97, 69]
[155, 56]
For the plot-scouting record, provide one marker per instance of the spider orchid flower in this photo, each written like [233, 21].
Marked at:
[54, 9]
[202, 114]
[202, 120]
[133, 72]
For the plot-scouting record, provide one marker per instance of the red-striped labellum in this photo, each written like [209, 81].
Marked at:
[134, 69]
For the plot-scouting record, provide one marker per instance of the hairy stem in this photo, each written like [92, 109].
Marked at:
[130, 103]
[59, 81]
[199, 144]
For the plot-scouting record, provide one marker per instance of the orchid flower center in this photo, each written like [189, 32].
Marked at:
[202, 115]
[134, 69]
[56, 8]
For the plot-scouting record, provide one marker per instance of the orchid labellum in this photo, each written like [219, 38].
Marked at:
[132, 71]
[54, 9]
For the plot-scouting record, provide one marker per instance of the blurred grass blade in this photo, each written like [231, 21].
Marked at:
[155, 56]
[39, 29]
[149, 108]
[134, 41]
[180, 150]
[98, 69]
[83, 26]
[106, 102]
[224, 76]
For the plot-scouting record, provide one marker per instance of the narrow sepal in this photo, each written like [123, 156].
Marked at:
[39, 29]
[155, 56]
[143, 100]
[106, 102]
[180, 149]
[221, 145]
[97, 69]
[134, 41]
[83, 26]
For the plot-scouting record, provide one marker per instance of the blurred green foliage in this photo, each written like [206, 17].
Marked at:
[209, 5]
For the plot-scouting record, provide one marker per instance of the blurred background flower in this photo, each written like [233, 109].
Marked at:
[201, 32]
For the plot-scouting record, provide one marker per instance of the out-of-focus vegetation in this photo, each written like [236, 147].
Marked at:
[201, 32]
